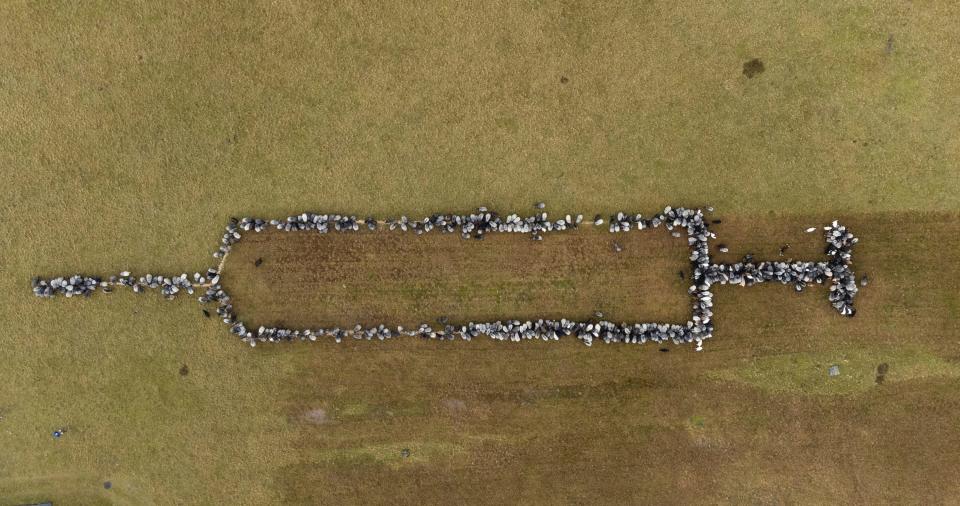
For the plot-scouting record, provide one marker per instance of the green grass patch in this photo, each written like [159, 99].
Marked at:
[808, 373]
[365, 411]
[393, 455]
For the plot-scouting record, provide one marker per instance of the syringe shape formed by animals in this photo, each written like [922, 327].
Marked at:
[835, 271]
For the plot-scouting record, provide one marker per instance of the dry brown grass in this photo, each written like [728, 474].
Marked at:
[753, 418]
[308, 279]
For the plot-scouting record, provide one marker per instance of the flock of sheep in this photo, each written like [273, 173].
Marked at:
[680, 221]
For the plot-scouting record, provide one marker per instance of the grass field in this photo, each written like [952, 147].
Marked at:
[131, 133]
[307, 280]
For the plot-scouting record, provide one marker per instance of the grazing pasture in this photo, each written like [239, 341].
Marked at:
[131, 133]
[308, 279]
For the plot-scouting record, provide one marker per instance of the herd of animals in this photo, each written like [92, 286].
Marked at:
[679, 221]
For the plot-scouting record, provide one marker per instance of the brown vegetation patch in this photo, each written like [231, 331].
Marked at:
[311, 279]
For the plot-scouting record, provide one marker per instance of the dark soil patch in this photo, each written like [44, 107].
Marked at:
[882, 372]
[753, 68]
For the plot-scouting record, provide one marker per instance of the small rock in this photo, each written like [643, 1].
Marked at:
[455, 406]
[107, 485]
[316, 416]
[405, 452]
